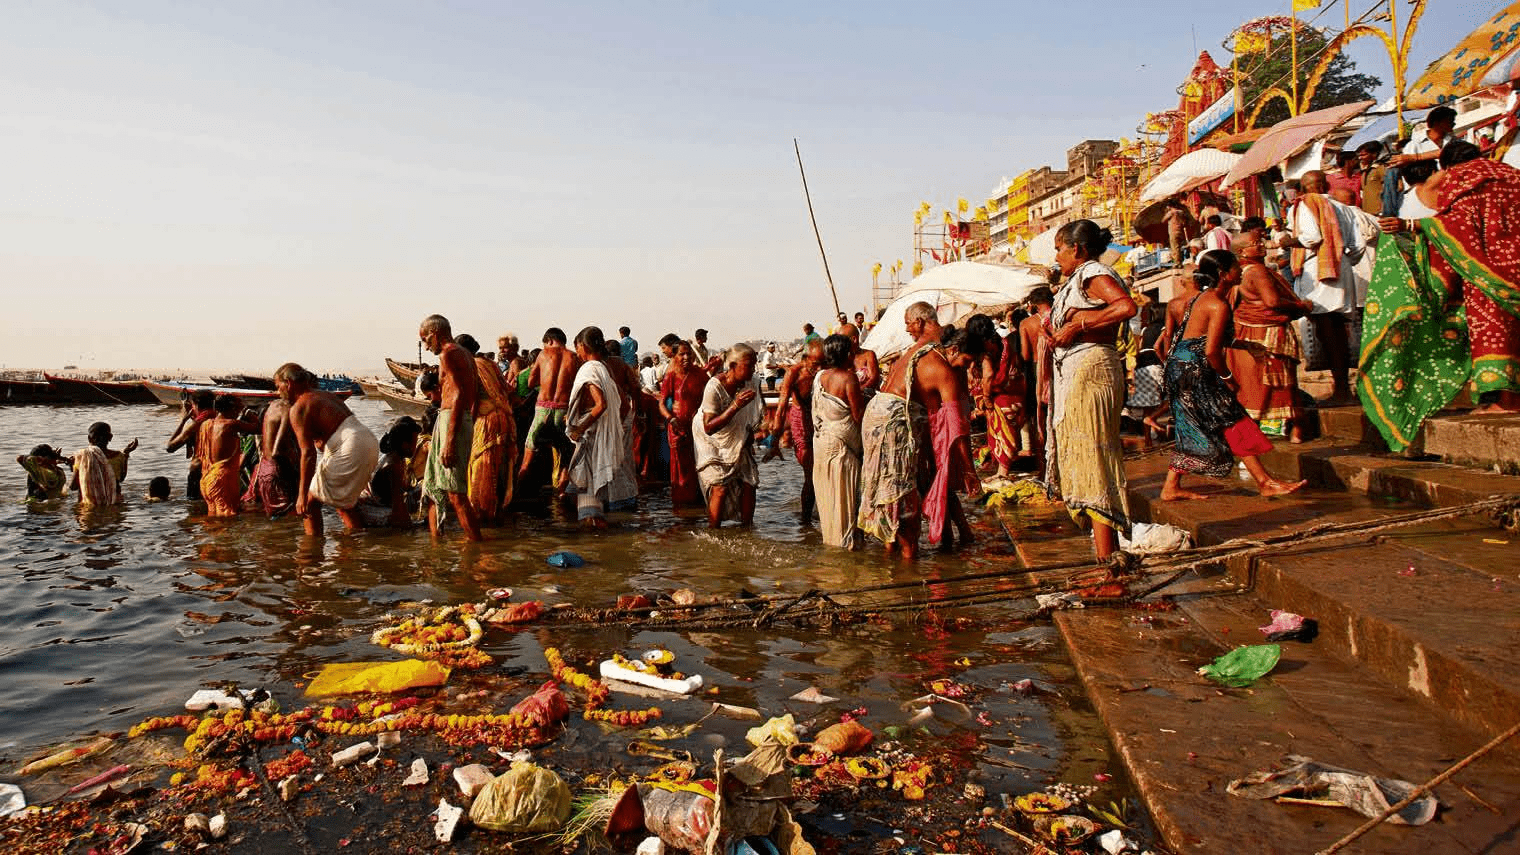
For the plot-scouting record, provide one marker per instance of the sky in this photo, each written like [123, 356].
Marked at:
[229, 186]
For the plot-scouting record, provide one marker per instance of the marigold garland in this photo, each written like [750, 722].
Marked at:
[448, 635]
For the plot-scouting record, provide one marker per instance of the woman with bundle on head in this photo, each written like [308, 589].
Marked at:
[1084, 458]
[838, 406]
[1211, 426]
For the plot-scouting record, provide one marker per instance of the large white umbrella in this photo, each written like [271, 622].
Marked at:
[954, 290]
[1191, 170]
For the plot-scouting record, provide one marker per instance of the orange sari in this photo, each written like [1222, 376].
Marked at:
[493, 447]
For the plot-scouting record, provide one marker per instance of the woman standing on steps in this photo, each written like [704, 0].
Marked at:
[1212, 428]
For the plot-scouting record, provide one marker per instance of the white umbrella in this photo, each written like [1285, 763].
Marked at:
[1042, 248]
[1191, 170]
[954, 290]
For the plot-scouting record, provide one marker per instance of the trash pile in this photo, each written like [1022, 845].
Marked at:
[234, 766]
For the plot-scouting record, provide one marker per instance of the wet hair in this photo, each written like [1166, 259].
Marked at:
[921, 311]
[1441, 115]
[1372, 147]
[1250, 223]
[981, 327]
[97, 429]
[624, 331]
[1041, 295]
[292, 372]
[1459, 151]
[614, 349]
[46, 451]
[468, 342]
[593, 340]
[436, 323]
[838, 351]
[1086, 235]
[205, 399]
[1215, 220]
[736, 354]
[428, 381]
[1212, 266]
[229, 406]
[397, 434]
[669, 339]
[158, 488]
[554, 334]
[1417, 172]
[947, 333]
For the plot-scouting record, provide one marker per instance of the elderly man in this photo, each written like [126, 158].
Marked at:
[867, 369]
[447, 477]
[1326, 246]
[922, 387]
[724, 434]
[349, 452]
[507, 350]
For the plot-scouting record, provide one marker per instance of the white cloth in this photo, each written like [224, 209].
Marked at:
[1421, 142]
[649, 377]
[1413, 209]
[349, 458]
[727, 455]
[1217, 238]
[837, 455]
[97, 480]
[599, 466]
[1369, 232]
[1339, 294]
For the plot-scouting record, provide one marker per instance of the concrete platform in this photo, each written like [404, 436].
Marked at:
[1485, 442]
[1183, 739]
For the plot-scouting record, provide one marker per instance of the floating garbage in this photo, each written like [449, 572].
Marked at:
[353, 754]
[352, 678]
[565, 559]
[782, 730]
[1065, 830]
[811, 695]
[445, 820]
[1243, 666]
[526, 798]
[472, 779]
[545, 706]
[419, 774]
[67, 756]
[846, 737]
[1366, 794]
[205, 699]
[737, 712]
[11, 799]
[612, 670]
[108, 775]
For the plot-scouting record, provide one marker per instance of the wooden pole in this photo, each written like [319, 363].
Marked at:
[1293, 52]
[809, 197]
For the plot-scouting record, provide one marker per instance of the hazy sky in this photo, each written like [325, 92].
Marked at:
[234, 185]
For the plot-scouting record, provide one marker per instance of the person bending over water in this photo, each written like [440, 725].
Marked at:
[348, 451]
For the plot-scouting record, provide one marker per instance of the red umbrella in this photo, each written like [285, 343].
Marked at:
[1285, 138]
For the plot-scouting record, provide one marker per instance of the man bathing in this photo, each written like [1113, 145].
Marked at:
[324, 425]
[447, 478]
[553, 374]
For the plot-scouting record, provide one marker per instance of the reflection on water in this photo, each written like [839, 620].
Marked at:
[116, 614]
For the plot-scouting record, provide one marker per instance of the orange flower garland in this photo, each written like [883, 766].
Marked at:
[597, 693]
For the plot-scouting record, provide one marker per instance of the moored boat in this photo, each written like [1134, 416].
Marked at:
[405, 372]
[402, 401]
[15, 391]
[172, 393]
[78, 390]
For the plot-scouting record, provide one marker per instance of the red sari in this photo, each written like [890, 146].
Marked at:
[685, 393]
[1006, 391]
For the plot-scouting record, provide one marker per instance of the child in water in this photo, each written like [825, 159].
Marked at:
[45, 478]
[158, 489]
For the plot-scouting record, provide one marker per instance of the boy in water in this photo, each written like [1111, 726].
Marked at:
[45, 478]
[158, 489]
[219, 450]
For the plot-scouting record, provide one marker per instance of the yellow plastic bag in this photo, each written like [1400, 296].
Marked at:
[351, 678]
[526, 798]
[783, 730]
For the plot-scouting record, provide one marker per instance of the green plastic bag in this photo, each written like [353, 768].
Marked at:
[1243, 666]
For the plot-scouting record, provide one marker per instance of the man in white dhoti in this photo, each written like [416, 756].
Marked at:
[724, 433]
[1326, 247]
[349, 452]
[599, 472]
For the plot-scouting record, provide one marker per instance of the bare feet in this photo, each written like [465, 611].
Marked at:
[1493, 410]
[1179, 495]
[1150, 422]
[1275, 487]
[594, 523]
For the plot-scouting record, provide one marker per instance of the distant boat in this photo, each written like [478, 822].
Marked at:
[255, 381]
[371, 387]
[29, 392]
[402, 400]
[77, 390]
[406, 372]
[339, 383]
[171, 394]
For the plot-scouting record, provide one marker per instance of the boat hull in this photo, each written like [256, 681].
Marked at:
[171, 394]
[405, 372]
[78, 391]
[403, 402]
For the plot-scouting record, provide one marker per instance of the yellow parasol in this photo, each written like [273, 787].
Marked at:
[1489, 56]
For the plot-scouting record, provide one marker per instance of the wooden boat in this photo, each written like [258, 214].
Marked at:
[255, 381]
[29, 392]
[371, 387]
[406, 372]
[77, 390]
[172, 393]
[402, 401]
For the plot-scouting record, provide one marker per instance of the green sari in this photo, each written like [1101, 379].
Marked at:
[1415, 356]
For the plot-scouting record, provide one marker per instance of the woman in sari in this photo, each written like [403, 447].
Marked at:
[680, 399]
[1212, 427]
[493, 445]
[1084, 458]
[1001, 394]
[838, 406]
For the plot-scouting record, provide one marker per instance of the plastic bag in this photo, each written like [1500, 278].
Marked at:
[545, 706]
[1243, 665]
[565, 559]
[349, 678]
[781, 730]
[846, 737]
[526, 798]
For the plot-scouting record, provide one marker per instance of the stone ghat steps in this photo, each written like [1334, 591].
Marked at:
[1183, 739]
[1432, 610]
[1484, 442]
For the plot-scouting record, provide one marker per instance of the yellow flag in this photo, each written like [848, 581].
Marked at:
[898, 266]
[918, 267]
[1301, 5]
[949, 218]
[961, 205]
[876, 268]
[918, 218]
[980, 215]
[1251, 42]
[924, 206]
[1192, 89]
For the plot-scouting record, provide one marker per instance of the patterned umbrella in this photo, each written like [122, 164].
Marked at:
[1489, 56]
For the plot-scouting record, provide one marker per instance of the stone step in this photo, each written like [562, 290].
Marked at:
[1484, 442]
[1343, 464]
[1433, 610]
[1183, 739]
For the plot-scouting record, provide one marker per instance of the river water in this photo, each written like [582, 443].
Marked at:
[117, 614]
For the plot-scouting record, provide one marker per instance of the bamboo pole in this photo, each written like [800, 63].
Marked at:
[1293, 48]
[809, 197]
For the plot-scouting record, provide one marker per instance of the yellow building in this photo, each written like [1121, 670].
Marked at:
[1018, 206]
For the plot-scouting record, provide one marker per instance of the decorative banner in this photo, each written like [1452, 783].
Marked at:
[1192, 90]
[981, 214]
[1215, 115]
[918, 267]
[1302, 5]
[1251, 42]
[876, 268]
[949, 218]
[961, 206]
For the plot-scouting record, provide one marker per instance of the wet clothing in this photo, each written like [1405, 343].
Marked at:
[439, 480]
[726, 458]
[493, 444]
[274, 486]
[98, 484]
[221, 488]
[1211, 426]
[837, 453]
[894, 431]
[43, 482]
[684, 392]
[349, 457]
[600, 472]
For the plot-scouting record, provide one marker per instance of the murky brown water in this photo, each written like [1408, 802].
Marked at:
[117, 615]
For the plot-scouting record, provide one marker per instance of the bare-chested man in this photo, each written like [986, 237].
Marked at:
[895, 494]
[794, 410]
[349, 452]
[220, 451]
[273, 485]
[553, 374]
[447, 477]
[867, 369]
